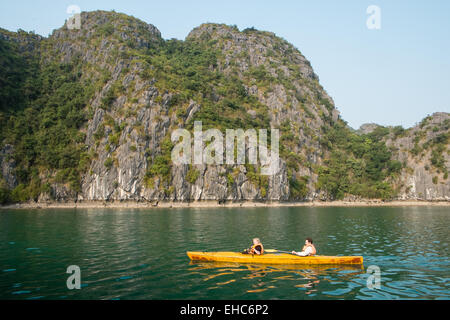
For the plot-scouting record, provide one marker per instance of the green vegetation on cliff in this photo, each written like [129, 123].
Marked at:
[41, 116]
[359, 165]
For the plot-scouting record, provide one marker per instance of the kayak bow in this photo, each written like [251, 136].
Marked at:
[273, 258]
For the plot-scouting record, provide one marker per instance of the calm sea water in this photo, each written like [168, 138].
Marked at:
[140, 254]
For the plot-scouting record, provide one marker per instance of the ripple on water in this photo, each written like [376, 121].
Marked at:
[338, 292]
[35, 298]
[124, 278]
[21, 292]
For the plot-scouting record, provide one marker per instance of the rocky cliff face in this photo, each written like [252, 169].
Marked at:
[424, 151]
[7, 166]
[147, 120]
[142, 87]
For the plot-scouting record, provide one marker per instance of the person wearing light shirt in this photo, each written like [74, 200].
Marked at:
[308, 249]
[257, 248]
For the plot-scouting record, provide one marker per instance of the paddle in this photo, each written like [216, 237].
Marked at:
[276, 250]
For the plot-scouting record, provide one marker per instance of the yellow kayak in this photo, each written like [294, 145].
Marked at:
[273, 258]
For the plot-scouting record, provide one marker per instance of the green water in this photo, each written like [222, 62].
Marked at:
[140, 254]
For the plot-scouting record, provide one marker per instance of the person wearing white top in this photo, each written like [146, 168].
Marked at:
[308, 249]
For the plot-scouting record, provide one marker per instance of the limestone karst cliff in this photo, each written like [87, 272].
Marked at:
[87, 115]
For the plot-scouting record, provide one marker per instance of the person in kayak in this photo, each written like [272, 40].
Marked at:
[308, 249]
[256, 248]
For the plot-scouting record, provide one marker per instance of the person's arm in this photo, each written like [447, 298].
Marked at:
[304, 253]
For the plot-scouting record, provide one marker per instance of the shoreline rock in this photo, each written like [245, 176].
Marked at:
[215, 204]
